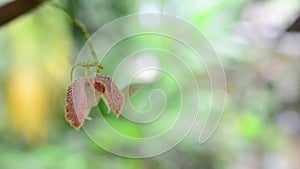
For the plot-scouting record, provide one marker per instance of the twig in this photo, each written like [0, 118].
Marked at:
[16, 8]
[95, 62]
[81, 27]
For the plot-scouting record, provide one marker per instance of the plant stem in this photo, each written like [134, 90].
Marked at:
[87, 36]
[13, 9]
[82, 28]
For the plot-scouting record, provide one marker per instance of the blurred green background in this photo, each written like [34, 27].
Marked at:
[260, 128]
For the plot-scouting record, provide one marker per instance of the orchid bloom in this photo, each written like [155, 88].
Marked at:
[85, 93]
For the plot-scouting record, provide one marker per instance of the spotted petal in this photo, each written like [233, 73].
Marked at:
[76, 108]
[85, 93]
[111, 94]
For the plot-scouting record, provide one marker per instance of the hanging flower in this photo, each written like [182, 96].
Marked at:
[85, 93]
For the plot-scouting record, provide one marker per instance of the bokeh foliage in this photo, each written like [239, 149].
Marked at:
[261, 123]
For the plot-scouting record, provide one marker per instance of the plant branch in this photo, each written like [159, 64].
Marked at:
[16, 8]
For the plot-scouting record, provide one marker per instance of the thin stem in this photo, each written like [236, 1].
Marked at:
[87, 36]
[82, 28]
[86, 66]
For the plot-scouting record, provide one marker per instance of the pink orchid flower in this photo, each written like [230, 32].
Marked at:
[85, 93]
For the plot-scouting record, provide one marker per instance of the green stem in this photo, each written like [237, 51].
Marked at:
[82, 28]
[87, 37]
[85, 66]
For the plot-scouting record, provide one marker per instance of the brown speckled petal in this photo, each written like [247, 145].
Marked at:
[111, 93]
[84, 93]
[76, 108]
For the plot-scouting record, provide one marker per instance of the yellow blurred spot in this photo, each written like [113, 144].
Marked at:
[27, 100]
[39, 46]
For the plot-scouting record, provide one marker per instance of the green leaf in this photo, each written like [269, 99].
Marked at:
[131, 89]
